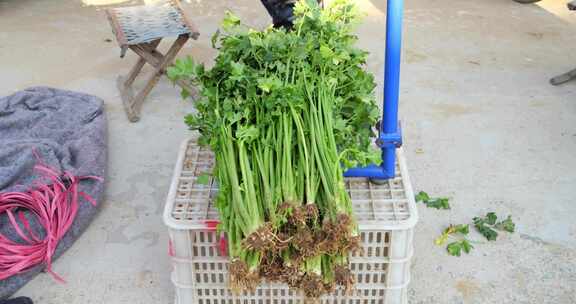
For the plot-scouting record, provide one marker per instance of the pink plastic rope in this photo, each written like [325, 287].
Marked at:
[55, 205]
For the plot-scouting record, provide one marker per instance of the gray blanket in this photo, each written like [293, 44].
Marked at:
[68, 131]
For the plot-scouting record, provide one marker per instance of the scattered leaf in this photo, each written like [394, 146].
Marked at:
[452, 229]
[464, 228]
[441, 239]
[439, 203]
[491, 218]
[422, 196]
[506, 225]
[454, 249]
[482, 227]
[487, 224]
[466, 246]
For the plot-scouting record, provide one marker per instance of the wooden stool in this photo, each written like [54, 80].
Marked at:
[140, 28]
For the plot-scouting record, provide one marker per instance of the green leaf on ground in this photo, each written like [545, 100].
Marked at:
[466, 246]
[441, 239]
[437, 203]
[491, 218]
[464, 228]
[506, 225]
[422, 196]
[486, 225]
[454, 249]
[483, 228]
[452, 229]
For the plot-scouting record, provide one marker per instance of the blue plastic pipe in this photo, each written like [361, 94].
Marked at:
[391, 81]
[389, 136]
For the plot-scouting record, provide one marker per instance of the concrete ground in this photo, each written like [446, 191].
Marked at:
[481, 125]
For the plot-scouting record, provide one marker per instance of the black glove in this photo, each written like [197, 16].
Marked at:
[281, 12]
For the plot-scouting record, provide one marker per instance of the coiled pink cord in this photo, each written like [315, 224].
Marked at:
[55, 205]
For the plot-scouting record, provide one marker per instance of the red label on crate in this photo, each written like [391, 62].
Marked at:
[223, 245]
[211, 224]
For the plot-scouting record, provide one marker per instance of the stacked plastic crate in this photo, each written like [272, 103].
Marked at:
[386, 215]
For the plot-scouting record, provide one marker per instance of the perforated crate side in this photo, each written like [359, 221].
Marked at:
[389, 206]
[373, 269]
[386, 215]
[278, 293]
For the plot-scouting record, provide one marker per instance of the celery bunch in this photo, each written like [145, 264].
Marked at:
[286, 112]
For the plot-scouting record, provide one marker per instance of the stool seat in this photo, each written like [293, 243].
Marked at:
[141, 24]
[140, 29]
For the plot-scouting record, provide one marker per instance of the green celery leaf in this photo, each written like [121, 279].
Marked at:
[441, 239]
[422, 197]
[466, 246]
[230, 21]
[326, 52]
[464, 228]
[214, 38]
[439, 203]
[506, 225]
[454, 249]
[375, 156]
[489, 233]
[184, 93]
[173, 73]
[247, 133]
[491, 218]
[478, 221]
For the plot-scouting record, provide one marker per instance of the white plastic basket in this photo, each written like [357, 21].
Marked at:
[386, 215]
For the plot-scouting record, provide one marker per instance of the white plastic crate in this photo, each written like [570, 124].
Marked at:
[386, 215]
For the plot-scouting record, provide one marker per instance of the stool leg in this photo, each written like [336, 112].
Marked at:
[138, 66]
[160, 69]
[134, 72]
[124, 84]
